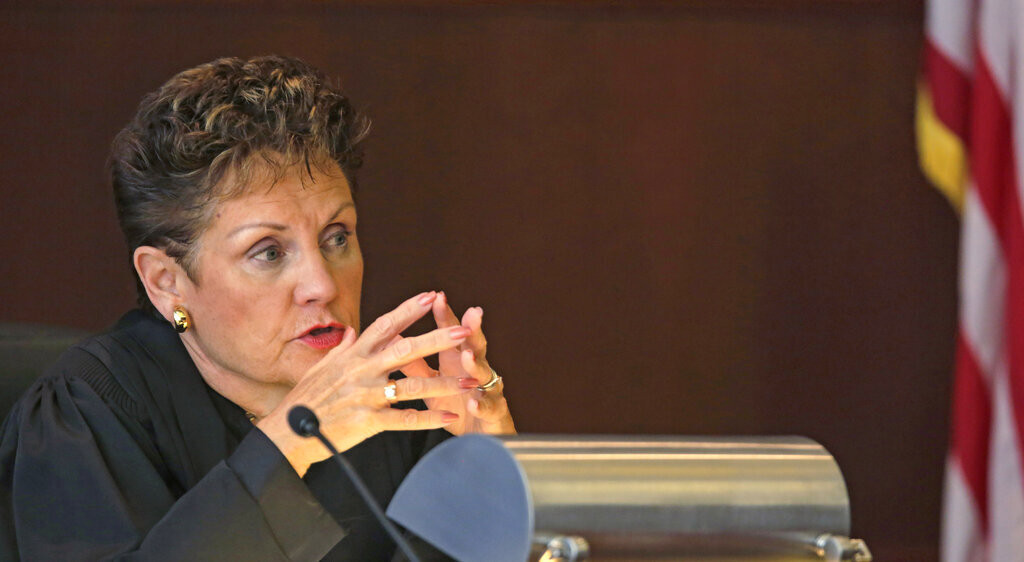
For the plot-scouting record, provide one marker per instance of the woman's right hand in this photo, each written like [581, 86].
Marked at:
[346, 388]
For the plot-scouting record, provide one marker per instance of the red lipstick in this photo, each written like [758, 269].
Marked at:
[323, 336]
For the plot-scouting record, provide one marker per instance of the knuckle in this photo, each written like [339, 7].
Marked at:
[360, 416]
[370, 419]
[408, 418]
[415, 386]
[401, 349]
[384, 324]
[368, 396]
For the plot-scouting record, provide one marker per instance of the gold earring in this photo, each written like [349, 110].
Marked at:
[181, 319]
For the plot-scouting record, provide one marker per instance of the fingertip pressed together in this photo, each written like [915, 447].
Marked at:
[449, 417]
[473, 315]
[439, 302]
[459, 332]
[424, 299]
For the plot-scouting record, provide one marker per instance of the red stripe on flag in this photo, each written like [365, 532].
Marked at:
[1013, 249]
[950, 89]
[971, 424]
[995, 172]
[991, 156]
[1015, 322]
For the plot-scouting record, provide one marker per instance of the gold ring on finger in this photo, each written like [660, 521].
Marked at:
[495, 380]
[391, 392]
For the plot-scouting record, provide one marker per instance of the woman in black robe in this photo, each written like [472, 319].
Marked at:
[167, 437]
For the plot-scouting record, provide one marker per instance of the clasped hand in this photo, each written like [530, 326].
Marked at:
[346, 388]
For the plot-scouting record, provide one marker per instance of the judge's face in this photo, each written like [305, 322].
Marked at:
[278, 278]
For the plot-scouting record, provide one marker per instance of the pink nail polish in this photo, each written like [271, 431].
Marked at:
[426, 298]
[459, 332]
[468, 382]
[449, 417]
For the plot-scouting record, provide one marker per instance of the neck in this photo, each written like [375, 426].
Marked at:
[258, 398]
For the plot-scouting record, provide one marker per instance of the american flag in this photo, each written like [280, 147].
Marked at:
[970, 142]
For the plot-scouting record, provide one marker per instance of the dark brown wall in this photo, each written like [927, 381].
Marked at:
[689, 218]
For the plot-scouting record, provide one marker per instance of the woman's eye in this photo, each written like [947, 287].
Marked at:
[269, 254]
[337, 239]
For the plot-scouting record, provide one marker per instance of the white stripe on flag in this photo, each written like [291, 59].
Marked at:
[995, 37]
[961, 533]
[1006, 493]
[948, 24]
[1016, 101]
[982, 287]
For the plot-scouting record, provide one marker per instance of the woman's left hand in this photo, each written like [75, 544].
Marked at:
[479, 411]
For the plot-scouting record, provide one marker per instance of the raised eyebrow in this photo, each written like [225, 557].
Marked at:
[271, 225]
[340, 208]
[281, 227]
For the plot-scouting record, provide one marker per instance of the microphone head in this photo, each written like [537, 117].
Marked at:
[303, 421]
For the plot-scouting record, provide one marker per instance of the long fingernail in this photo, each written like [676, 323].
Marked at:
[426, 298]
[449, 417]
[459, 332]
[468, 382]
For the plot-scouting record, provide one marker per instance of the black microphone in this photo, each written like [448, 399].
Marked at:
[305, 423]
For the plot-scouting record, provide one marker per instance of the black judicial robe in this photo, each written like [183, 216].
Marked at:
[121, 451]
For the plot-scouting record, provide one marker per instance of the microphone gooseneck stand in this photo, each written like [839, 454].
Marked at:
[305, 423]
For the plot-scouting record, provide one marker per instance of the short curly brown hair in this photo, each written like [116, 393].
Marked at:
[229, 116]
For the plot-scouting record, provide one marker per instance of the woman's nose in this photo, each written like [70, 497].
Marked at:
[315, 281]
